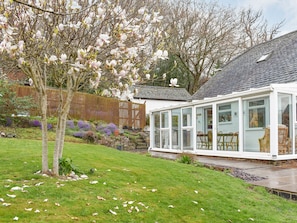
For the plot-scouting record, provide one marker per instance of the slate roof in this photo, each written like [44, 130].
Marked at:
[244, 72]
[161, 93]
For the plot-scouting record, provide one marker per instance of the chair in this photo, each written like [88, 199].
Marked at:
[202, 140]
[264, 142]
[284, 142]
[220, 141]
[232, 142]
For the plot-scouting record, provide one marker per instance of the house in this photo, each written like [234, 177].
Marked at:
[158, 97]
[247, 110]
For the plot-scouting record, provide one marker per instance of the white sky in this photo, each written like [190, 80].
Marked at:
[274, 11]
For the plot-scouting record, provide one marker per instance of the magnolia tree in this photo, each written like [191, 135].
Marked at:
[78, 43]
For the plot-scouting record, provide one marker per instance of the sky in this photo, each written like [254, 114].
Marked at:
[274, 11]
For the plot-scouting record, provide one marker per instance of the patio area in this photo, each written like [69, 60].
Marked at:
[280, 180]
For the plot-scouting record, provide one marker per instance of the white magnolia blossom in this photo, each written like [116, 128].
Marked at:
[53, 58]
[21, 60]
[173, 82]
[111, 63]
[141, 11]
[148, 76]
[63, 58]
[38, 35]
[123, 37]
[132, 52]
[160, 54]
[95, 64]
[61, 27]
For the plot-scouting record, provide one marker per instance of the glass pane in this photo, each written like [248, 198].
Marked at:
[187, 117]
[165, 120]
[256, 103]
[225, 107]
[176, 128]
[165, 139]
[225, 116]
[257, 118]
[156, 140]
[188, 139]
[285, 125]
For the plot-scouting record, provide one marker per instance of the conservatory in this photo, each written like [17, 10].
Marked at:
[254, 124]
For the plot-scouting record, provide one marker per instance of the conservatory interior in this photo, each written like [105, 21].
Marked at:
[255, 124]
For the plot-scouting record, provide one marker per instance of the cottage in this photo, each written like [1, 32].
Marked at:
[248, 110]
[157, 96]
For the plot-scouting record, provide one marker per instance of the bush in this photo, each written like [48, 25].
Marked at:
[66, 167]
[186, 159]
[90, 137]
[79, 134]
[35, 123]
[85, 126]
[11, 105]
[70, 124]
[108, 129]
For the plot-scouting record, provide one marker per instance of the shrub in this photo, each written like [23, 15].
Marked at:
[186, 159]
[66, 166]
[49, 126]
[79, 134]
[11, 104]
[35, 123]
[70, 124]
[90, 137]
[83, 125]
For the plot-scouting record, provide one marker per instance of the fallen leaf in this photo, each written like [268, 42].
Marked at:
[170, 206]
[251, 219]
[196, 191]
[195, 202]
[57, 204]
[16, 218]
[11, 195]
[45, 200]
[1, 200]
[95, 214]
[113, 212]
[154, 190]
[6, 204]
[202, 209]
[37, 211]
[16, 188]
[101, 198]
[28, 209]
[74, 218]
[38, 184]
[94, 182]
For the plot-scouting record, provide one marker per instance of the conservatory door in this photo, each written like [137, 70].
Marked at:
[256, 121]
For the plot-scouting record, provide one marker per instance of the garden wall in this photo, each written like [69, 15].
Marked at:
[92, 107]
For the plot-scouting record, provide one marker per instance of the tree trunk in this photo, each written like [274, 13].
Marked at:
[63, 111]
[44, 135]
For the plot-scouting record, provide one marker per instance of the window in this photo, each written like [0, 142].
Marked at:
[264, 57]
[225, 113]
[256, 114]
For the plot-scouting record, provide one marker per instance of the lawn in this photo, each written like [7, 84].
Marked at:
[127, 187]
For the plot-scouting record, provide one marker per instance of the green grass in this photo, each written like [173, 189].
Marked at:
[161, 190]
